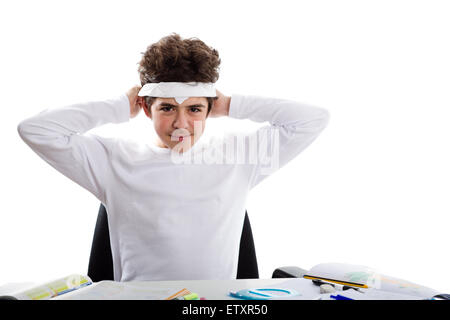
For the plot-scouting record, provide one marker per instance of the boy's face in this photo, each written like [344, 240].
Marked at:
[178, 125]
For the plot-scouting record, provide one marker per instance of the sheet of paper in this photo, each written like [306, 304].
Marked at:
[344, 272]
[111, 290]
[369, 294]
[306, 289]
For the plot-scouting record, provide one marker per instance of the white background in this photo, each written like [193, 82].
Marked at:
[373, 189]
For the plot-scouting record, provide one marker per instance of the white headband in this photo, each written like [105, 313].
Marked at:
[178, 90]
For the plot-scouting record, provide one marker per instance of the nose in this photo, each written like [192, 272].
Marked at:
[181, 121]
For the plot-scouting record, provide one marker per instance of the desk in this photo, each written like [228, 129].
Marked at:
[220, 289]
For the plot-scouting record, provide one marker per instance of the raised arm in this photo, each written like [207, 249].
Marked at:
[292, 127]
[59, 136]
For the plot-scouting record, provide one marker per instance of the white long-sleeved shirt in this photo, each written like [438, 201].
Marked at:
[171, 220]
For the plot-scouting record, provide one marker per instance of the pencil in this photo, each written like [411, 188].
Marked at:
[345, 283]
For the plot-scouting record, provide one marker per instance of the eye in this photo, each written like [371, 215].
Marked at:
[195, 110]
[166, 109]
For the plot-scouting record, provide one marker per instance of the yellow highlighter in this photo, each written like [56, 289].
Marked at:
[191, 296]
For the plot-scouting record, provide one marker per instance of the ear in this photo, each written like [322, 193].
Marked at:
[146, 109]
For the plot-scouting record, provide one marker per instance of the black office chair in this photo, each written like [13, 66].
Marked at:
[101, 264]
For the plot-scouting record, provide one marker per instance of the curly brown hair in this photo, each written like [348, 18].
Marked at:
[173, 59]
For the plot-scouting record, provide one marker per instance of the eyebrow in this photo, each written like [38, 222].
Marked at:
[166, 104]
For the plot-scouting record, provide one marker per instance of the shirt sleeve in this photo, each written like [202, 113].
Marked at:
[292, 127]
[59, 136]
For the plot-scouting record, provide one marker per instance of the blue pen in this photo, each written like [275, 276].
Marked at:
[339, 297]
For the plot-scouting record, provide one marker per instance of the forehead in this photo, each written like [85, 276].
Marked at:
[189, 101]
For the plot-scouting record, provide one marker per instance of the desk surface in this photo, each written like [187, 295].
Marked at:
[210, 289]
[220, 289]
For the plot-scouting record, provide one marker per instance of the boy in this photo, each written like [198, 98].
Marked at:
[172, 220]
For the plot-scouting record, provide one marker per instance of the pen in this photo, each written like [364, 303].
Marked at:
[344, 283]
[336, 286]
[179, 294]
[340, 297]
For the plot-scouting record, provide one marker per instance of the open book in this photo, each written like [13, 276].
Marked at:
[368, 282]
[52, 289]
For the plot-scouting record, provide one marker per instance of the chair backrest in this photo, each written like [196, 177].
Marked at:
[101, 263]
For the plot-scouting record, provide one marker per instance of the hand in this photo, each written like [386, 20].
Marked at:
[221, 105]
[136, 102]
